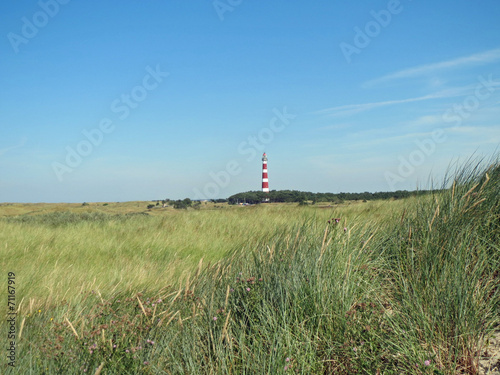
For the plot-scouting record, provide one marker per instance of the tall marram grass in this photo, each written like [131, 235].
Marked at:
[55, 255]
[58, 254]
[444, 259]
[413, 291]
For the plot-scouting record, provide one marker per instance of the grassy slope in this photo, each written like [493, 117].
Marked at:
[408, 287]
[53, 259]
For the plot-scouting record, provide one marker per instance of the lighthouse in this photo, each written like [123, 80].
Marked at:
[265, 180]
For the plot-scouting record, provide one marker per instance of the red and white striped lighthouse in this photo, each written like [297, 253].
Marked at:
[265, 181]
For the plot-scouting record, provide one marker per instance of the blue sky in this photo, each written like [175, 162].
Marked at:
[135, 100]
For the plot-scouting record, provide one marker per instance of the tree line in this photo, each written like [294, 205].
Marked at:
[290, 196]
[284, 196]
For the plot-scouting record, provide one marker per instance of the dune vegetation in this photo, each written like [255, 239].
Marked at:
[407, 286]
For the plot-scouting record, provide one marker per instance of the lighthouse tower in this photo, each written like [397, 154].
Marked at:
[265, 181]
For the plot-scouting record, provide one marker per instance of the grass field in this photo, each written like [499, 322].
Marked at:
[60, 249]
[406, 286]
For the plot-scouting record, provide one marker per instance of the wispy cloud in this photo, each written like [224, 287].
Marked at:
[350, 109]
[480, 131]
[7, 149]
[482, 58]
[363, 140]
[336, 126]
[423, 121]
